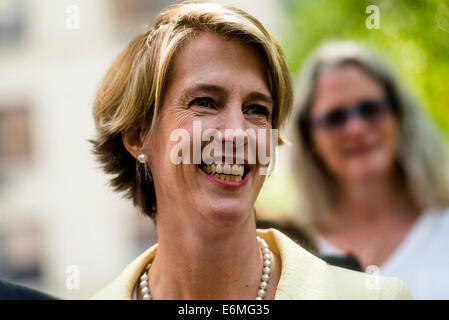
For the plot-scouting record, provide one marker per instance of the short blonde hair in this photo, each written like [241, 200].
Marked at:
[131, 92]
[421, 158]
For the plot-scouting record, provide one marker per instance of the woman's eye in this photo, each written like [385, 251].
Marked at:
[201, 102]
[258, 110]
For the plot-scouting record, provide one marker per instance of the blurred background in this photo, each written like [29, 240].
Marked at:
[62, 229]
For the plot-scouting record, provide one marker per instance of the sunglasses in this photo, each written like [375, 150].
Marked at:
[371, 111]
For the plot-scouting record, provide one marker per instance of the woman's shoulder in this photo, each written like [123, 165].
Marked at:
[350, 284]
[436, 222]
[306, 276]
[444, 216]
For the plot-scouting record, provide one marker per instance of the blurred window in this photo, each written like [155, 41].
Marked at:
[15, 139]
[12, 22]
[21, 252]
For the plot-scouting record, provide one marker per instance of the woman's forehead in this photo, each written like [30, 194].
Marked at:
[213, 59]
[345, 85]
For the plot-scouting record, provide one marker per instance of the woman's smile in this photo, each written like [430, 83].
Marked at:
[360, 150]
[227, 175]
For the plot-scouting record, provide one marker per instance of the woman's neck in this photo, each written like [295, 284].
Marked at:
[365, 211]
[374, 200]
[193, 264]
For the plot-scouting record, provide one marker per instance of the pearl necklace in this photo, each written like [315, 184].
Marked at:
[145, 291]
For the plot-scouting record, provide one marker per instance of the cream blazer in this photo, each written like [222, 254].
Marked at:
[303, 276]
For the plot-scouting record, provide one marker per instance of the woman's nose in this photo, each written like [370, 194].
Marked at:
[232, 124]
[232, 118]
[355, 125]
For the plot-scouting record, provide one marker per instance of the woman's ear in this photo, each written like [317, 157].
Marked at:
[132, 140]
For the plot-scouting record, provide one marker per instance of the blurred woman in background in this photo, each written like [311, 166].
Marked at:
[372, 169]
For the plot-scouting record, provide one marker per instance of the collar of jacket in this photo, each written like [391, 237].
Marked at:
[303, 276]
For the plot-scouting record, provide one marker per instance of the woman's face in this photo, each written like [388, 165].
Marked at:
[221, 84]
[361, 148]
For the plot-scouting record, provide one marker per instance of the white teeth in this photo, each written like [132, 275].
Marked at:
[225, 177]
[227, 169]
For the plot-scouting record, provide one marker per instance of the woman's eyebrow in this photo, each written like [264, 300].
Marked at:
[204, 87]
[255, 95]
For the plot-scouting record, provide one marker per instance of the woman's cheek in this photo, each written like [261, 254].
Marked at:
[329, 152]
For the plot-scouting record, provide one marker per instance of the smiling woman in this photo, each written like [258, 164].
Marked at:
[217, 66]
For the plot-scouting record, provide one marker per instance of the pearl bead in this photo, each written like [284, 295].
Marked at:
[143, 283]
[142, 158]
[259, 298]
[144, 290]
[265, 277]
[266, 250]
[146, 296]
[263, 285]
[261, 293]
[267, 256]
[267, 270]
[144, 277]
[267, 263]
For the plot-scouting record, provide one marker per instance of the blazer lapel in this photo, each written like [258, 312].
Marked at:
[122, 287]
[303, 275]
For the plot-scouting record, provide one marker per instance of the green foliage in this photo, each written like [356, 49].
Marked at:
[413, 35]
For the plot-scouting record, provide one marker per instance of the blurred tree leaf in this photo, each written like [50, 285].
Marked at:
[413, 35]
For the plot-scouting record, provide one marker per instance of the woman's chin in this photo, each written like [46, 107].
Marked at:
[370, 168]
[366, 173]
[223, 216]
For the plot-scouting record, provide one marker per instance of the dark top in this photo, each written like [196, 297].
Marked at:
[10, 291]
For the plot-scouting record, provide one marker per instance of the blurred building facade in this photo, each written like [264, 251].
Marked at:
[62, 229]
